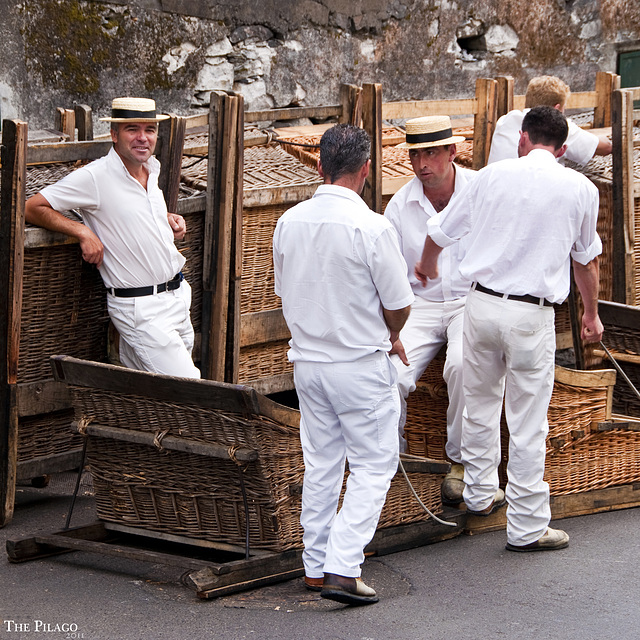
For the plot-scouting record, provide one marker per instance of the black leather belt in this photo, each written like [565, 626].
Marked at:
[524, 298]
[171, 285]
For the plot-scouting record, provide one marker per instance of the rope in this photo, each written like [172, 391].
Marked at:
[619, 369]
[83, 423]
[157, 440]
[424, 506]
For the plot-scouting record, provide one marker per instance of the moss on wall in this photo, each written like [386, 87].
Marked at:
[67, 43]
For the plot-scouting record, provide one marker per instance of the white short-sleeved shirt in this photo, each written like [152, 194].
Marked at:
[409, 211]
[131, 222]
[581, 145]
[524, 219]
[337, 264]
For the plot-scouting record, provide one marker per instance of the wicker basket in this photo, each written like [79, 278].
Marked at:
[594, 461]
[191, 495]
[580, 399]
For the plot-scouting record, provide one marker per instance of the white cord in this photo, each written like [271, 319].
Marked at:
[435, 517]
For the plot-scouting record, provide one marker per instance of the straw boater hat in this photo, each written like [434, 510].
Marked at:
[134, 109]
[430, 131]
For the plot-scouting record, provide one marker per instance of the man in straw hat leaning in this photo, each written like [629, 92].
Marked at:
[436, 315]
[129, 235]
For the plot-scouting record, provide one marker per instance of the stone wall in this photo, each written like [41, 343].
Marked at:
[294, 52]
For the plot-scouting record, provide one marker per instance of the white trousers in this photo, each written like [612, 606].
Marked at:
[155, 331]
[509, 351]
[349, 410]
[430, 326]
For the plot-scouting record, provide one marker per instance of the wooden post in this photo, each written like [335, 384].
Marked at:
[606, 83]
[232, 360]
[221, 201]
[484, 121]
[172, 133]
[12, 197]
[351, 101]
[504, 96]
[84, 123]
[66, 122]
[372, 123]
[622, 138]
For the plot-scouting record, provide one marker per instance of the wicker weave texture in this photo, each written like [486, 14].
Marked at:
[63, 310]
[264, 361]
[46, 435]
[194, 496]
[596, 461]
[572, 411]
[258, 279]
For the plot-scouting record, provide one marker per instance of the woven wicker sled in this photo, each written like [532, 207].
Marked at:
[211, 465]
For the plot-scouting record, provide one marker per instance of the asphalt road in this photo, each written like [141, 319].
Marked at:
[469, 588]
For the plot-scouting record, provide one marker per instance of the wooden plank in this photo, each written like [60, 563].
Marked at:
[197, 121]
[26, 549]
[622, 188]
[263, 326]
[195, 204]
[416, 108]
[575, 320]
[84, 122]
[52, 463]
[504, 95]
[224, 240]
[171, 132]
[65, 121]
[581, 100]
[36, 238]
[272, 384]
[43, 396]
[60, 542]
[12, 198]
[206, 592]
[585, 379]
[417, 534]
[621, 357]
[210, 243]
[372, 123]
[293, 113]
[484, 121]
[192, 542]
[232, 356]
[264, 197]
[67, 151]
[351, 101]
[606, 82]
[391, 185]
[123, 433]
[567, 506]
[203, 393]
[619, 315]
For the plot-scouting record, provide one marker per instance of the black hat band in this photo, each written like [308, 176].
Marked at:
[415, 138]
[130, 114]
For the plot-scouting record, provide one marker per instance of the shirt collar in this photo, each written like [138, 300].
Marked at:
[152, 164]
[336, 190]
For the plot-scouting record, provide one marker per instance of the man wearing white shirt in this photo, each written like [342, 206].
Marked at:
[437, 313]
[581, 145]
[129, 235]
[345, 297]
[525, 219]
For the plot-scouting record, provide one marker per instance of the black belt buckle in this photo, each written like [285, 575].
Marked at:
[136, 292]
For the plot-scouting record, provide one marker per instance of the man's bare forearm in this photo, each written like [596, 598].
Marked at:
[395, 319]
[38, 211]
